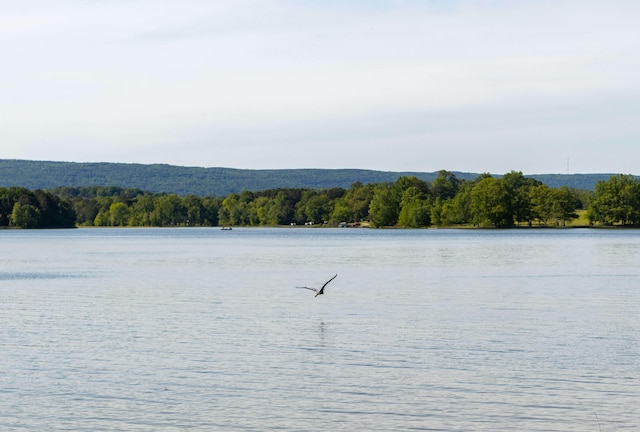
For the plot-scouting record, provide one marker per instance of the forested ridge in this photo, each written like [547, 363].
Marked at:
[200, 181]
[486, 201]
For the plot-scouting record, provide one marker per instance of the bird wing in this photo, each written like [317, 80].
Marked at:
[312, 289]
[327, 282]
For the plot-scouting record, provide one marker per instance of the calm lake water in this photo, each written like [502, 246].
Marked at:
[203, 329]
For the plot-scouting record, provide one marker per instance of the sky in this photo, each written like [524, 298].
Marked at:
[538, 86]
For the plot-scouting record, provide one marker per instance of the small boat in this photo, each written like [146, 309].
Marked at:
[226, 228]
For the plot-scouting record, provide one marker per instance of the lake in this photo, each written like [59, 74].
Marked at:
[203, 329]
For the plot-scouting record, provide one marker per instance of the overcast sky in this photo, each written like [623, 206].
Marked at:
[481, 86]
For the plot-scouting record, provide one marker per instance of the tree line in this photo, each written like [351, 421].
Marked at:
[485, 201]
[22, 208]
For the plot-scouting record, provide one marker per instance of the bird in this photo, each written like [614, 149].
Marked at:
[321, 290]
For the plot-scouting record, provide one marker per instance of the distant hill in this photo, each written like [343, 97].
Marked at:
[221, 181]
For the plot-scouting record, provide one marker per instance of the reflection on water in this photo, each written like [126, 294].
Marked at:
[321, 334]
[430, 330]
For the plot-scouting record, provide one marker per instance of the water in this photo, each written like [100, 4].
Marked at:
[202, 329]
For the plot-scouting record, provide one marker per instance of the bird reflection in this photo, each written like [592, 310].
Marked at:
[321, 333]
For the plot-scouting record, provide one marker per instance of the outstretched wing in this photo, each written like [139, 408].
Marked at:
[327, 282]
[311, 289]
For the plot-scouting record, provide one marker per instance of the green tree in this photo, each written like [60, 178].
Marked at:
[342, 212]
[455, 211]
[142, 210]
[102, 218]
[231, 212]
[313, 207]
[25, 216]
[616, 200]
[195, 211]
[169, 211]
[211, 206]
[565, 202]
[541, 199]
[406, 182]
[85, 209]
[491, 203]
[258, 211]
[518, 187]
[118, 214]
[414, 209]
[385, 206]
[281, 209]
[103, 204]
[353, 206]
[6, 207]
[37, 209]
[445, 186]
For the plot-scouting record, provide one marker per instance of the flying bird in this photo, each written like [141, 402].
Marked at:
[321, 290]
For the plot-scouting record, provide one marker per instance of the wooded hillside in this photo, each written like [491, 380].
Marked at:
[222, 181]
